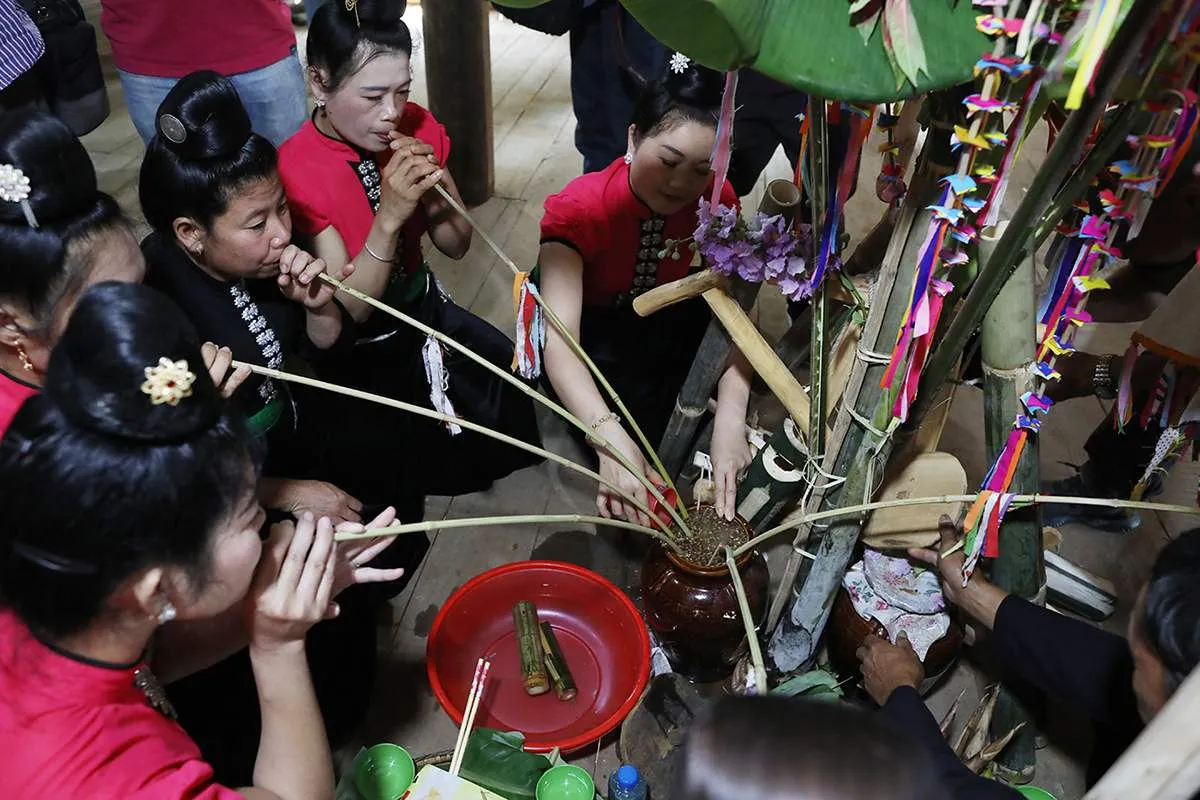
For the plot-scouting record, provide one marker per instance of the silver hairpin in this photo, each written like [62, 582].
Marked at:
[14, 188]
[172, 128]
[679, 63]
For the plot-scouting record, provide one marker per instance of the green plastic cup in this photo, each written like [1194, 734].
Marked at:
[384, 772]
[1034, 793]
[565, 782]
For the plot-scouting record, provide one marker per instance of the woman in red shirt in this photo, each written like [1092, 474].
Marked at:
[359, 177]
[81, 238]
[606, 238]
[94, 569]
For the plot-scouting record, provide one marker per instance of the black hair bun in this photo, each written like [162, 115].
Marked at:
[695, 85]
[384, 13]
[202, 117]
[62, 180]
[98, 368]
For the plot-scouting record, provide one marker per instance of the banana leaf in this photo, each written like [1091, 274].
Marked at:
[817, 684]
[497, 762]
[812, 44]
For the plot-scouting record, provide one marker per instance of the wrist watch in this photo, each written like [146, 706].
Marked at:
[1104, 385]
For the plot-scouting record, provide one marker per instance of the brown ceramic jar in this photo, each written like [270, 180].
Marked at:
[693, 610]
[847, 630]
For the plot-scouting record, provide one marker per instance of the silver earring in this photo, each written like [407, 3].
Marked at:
[167, 613]
[629, 158]
[320, 104]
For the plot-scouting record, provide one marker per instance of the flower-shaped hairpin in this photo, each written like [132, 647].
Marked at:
[168, 382]
[352, 5]
[14, 188]
[679, 63]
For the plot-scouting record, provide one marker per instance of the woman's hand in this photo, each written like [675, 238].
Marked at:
[411, 172]
[299, 278]
[293, 583]
[318, 498]
[730, 455]
[217, 361]
[354, 554]
[609, 504]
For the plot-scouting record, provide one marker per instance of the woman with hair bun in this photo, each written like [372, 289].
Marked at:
[65, 236]
[80, 238]
[360, 179]
[96, 569]
[605, 241]
[221, 249]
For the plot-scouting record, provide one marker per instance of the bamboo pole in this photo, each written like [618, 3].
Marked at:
[756, 660]
[818, 194]
[490, 522]
[577, 349]
[431, 414]
[508, 378]
[1007, 346]
[1119, 59]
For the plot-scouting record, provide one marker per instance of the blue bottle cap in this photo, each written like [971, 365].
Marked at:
[627, 776]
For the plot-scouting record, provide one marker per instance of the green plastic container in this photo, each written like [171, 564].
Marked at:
[1034, 793]
[565, 782]
[384, 772]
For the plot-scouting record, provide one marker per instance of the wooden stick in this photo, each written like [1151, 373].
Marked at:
[1018, 500]
[515, 519]
[507, 377]
[668, 294]
[760, 355]
[431, 414]
[576, 348]
[469, 711]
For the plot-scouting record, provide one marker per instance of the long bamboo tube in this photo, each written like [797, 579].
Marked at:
[431, 414]
[507, 377]
[577, 349]
[491, 522]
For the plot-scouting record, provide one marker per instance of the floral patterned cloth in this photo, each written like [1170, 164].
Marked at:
[900, 597]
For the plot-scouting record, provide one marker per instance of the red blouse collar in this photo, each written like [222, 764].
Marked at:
[338, 147]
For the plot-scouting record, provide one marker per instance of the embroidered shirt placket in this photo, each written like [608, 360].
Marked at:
[264, 335]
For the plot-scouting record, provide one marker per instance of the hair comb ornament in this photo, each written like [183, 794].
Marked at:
[172, 127]
[14, 188]
[168, 382]
[679, 63]
[352, 5]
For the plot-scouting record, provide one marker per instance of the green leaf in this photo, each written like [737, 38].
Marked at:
[814, 46]
[818, 681]
[497, 762]
[905, 37]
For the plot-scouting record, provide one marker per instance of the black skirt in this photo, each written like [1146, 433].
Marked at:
[420, 455]
[646, 359]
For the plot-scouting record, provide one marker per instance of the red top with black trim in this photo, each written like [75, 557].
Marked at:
[322, 180]
[13, 392]
[599, 216]
[73, 728]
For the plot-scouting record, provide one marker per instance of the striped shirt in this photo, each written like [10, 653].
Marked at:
[21, 44]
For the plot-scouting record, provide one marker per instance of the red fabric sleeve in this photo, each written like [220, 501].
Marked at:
[305, 199]
[567, 220]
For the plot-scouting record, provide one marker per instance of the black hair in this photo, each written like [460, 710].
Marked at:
[779, 748]
[341, 41]
[203, 153]
[42, 266]
[1171, 621]
[693, 95]
[98, 481]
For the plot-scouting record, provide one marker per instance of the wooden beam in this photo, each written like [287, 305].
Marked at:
[458, 68]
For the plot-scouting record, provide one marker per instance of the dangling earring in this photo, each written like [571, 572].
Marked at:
[26, 364]
[199, 251]
[167, 613]
[629, 158]
[321, 104]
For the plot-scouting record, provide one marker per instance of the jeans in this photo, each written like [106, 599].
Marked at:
[274, 96]
[606, 39]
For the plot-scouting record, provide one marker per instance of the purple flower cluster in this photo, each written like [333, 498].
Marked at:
[763, 250]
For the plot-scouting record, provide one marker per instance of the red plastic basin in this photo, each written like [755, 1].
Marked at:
[601, 633]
